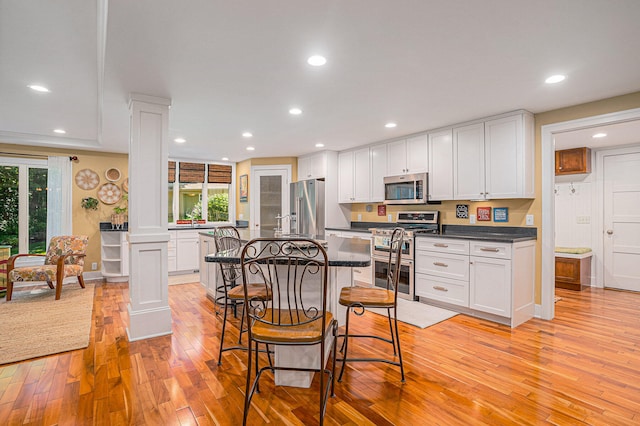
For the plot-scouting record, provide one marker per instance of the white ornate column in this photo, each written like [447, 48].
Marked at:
[149, 312]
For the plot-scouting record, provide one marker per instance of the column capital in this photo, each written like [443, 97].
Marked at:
[139, 97]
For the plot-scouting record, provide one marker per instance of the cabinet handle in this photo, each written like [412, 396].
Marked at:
[440, 288]
[441, 245]
[495, 250]
[441, 264]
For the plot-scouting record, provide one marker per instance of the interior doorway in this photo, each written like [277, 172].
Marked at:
[269, 196]
[549, 132]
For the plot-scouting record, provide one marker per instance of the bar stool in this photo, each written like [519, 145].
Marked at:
[357, 299]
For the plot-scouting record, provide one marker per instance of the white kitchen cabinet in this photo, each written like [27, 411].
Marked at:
[407, 156]
[207, 269]
[354, 177]
[440, 156]
[378, 172]
[312, 166]
[491, 280]
[494, 159]
[172, 252]
[187, 251]
[114, 256]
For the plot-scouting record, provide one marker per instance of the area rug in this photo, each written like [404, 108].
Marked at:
[418, 314]
[34, 324]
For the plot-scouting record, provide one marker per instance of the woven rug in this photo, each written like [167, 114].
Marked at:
[418, 314]
[34, 324]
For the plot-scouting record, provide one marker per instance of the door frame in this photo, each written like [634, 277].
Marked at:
[547, 306]
[254, 189]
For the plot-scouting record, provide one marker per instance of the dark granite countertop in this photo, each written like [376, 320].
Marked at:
[501, 234]
[345, 252]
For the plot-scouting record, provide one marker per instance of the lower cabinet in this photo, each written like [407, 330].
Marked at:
[492, 280]
[114, 255]
[183, 251]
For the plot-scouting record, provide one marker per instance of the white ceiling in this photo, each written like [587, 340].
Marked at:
[235, 66]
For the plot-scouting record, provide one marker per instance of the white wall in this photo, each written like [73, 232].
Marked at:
[574, 211]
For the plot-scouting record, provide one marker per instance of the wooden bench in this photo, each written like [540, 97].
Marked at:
[573, 268]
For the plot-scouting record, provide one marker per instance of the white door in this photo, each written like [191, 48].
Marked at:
[622, 221]
[269, 197]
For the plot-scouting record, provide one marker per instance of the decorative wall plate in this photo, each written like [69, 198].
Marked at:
[125, 185]
[87, 179]
[112, 174]
[109, 193]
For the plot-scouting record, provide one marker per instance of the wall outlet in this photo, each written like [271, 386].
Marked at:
[94, 266]
[389, 218]
[583, 219]
[241, 216]
[529, 220]
[359, 217]
[472, 219]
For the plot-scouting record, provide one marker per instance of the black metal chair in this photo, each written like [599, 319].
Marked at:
[296, 271]
[357, 299]
[232, 291]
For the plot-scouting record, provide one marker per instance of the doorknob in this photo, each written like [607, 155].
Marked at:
[610, 231]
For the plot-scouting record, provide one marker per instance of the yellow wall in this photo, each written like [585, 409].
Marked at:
[85, 222]
[244, 168]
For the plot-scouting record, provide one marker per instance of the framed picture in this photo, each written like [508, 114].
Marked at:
[484, 214]
[244, 188]
[462, 211]
[501, 214]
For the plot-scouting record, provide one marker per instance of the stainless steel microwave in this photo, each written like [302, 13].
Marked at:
[407, 189]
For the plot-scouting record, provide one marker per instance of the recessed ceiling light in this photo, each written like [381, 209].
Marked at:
[555, 79]
[319, 145]
[38, 88]
[317, 60]
[60, 131]
[390, 125]
[247, 134]
[179, 140]
[599, 135]
[295, 111]
[250, 148]
[225, 158]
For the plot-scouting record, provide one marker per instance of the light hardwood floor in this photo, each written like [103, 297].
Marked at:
[581, 368]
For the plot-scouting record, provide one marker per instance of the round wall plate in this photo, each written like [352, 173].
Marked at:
[109, 193]
[112, 174]
[125, 185]
[87, 179]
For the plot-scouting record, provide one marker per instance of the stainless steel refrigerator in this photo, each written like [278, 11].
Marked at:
[307, 207]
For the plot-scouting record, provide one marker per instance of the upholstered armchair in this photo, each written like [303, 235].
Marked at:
[64, 258]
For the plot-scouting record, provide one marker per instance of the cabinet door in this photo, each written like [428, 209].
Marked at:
[417, 153]
[361, 176]
[312, 166]
[441, 165]
[571, 161]
[378, 172]
[345, 177]
[188, 254]
[396, 158]
[304, 168]
[468, 162]
[504, 158]
[490, 285]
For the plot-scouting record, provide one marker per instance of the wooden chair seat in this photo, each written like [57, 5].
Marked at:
[285, 333]
[367, 297]
[254, 292]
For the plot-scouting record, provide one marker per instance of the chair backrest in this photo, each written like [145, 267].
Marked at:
[228, 238]
[395, 256]
[294, 273]
[64, 245]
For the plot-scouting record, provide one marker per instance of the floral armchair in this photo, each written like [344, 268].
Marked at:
[64, 258]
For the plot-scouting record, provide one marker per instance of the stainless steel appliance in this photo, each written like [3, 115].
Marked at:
[412, 222]
[307, 207]
[407, 189]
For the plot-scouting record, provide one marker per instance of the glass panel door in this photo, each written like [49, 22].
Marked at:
[269, 198]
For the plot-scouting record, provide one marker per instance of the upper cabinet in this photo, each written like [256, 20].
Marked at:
[312, 166]
[407, 156]
[573, 161]
[378, 172]
[495, 159]
[441, 165]
[354, 177]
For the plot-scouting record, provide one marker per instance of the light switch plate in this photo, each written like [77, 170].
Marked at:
[359, 217]
[94, 266]
[472, 219]
[529, 220]
[388, 218]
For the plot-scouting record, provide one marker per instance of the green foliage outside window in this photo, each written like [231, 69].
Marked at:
[217, 211]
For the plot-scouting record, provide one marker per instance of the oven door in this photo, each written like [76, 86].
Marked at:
[380, 270]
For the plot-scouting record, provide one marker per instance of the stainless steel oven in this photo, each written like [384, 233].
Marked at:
[380, 243]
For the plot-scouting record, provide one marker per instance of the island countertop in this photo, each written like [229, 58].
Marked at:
[345, 252]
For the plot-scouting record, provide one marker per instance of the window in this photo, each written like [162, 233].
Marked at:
[194, 185]
[23, 205]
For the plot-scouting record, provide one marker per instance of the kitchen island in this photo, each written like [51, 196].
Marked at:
[343, 255]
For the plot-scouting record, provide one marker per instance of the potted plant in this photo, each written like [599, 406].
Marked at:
[89, 203]
[120, 214]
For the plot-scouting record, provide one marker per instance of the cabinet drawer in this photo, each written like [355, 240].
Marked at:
[443, 245]
[446, 290]
[490, 249]
[444, 265]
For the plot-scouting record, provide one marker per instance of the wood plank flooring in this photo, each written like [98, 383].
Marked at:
[581, 368]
